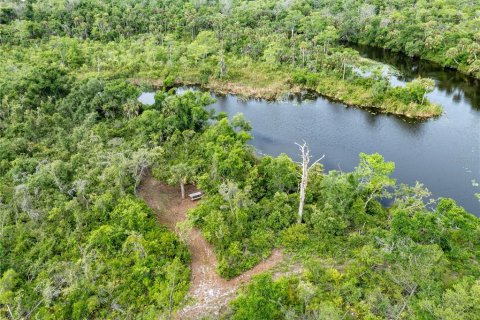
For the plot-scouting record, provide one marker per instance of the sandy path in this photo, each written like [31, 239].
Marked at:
[209, 292]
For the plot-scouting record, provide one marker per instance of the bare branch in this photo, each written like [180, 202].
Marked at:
[317, 161]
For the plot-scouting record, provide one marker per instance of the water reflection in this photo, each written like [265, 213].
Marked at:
[410, 127]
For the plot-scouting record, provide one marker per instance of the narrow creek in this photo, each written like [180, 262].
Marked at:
[443, 153]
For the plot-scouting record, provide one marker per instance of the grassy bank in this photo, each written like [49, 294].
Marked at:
[356, 95]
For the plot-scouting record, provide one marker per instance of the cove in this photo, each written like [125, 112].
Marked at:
[442, 153]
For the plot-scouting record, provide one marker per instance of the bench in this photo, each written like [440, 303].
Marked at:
[196, 195]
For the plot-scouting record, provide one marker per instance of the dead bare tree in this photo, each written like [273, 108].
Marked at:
[140, 161]
[306, 157]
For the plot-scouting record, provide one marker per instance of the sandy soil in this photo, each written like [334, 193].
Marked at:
[209, 293]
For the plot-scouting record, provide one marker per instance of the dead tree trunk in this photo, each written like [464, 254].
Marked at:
[182, 189]
[223, 67]
[303, 183]
[306, 156]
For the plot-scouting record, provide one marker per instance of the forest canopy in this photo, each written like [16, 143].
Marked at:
[261, 49]
[76, 241]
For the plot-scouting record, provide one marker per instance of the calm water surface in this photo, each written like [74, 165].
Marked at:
[443, 153]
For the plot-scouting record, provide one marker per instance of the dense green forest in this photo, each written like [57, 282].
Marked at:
[445, 31]
[236, 46]
[76, 242]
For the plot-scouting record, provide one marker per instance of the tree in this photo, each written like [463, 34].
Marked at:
[8, 284]
[306, 157]
[139, 163]
[373, 177]
[327, 36]
[181, 173]
[206, 43]
[239, 121]
[272, 53]
[304, 46]
[279, 174]
[222, 65]
[292, 20]
[413, 198]
[412, 267]
[262, 300]
[229, 190]
[348, 57]
[49, 81]
[419, 88]
[461, 302]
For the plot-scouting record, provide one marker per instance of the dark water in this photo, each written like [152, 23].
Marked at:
[443, 153]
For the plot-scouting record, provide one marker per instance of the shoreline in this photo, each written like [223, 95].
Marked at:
[274, 94]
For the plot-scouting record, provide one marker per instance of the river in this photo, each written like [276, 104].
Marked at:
[443, 153]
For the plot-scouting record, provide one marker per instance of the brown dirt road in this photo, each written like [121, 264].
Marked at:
[209, 293]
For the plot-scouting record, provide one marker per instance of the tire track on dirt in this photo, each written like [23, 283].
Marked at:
[209, 293]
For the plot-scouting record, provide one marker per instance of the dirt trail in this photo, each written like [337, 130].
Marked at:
[209, 292]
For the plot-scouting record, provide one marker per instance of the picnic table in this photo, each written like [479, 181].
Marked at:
[196, 195]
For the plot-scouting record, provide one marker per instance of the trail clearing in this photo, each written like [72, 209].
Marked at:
[209, 293]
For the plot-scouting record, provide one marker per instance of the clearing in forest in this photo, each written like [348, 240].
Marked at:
[208, 292]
